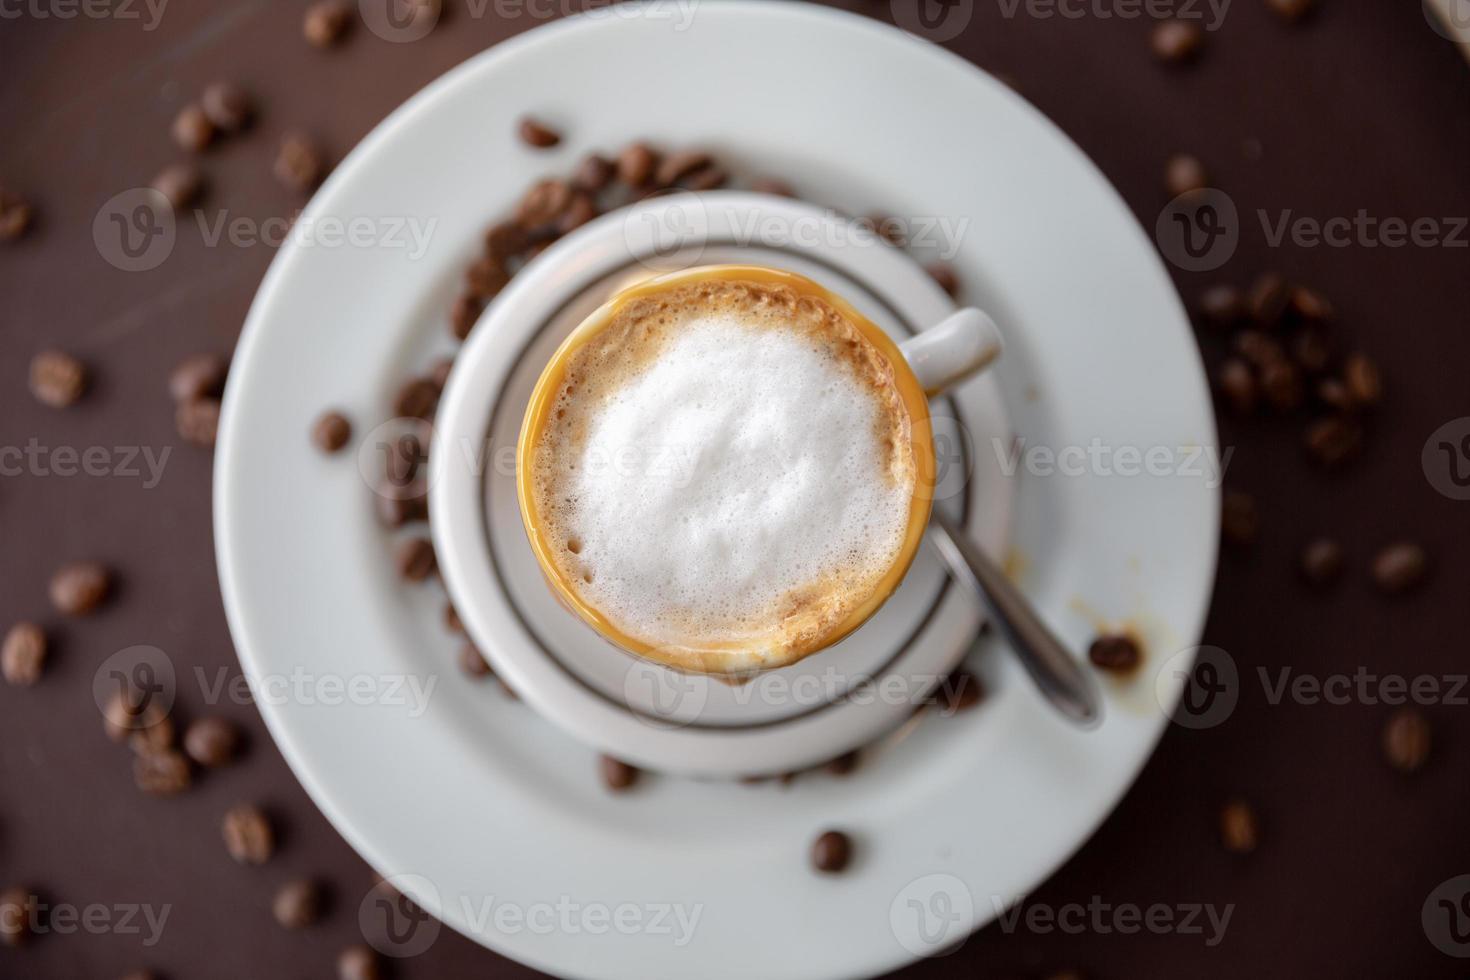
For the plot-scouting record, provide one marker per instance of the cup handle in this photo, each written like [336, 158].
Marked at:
[959, 346]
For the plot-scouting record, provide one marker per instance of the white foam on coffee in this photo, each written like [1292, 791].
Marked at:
[712, 482]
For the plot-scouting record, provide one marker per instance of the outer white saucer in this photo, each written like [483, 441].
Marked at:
[484, 801]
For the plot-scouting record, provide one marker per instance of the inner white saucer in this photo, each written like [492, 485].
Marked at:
[817, 709]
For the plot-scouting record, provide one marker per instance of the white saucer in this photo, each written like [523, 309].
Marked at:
[477, 795]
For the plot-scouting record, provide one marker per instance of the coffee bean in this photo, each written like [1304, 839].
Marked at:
[248, 836]
[1364, 383]
[959, 691]
[1116, 653]
[299, 165]
[164, 773]
[832, 852]
[326, 22]
[1281, 382]
[192, 129]
[1321, 561]
[1310, 306]
[212, 742]
[543, 203]
[504, 240]
[1334, 394]
[1290, 10]
[198, 376]
[1267, 300]
[331, 432]
[1238, 386]
[228, 106]
[1239, 520]
[152, 732]
[616, 774]
[415, 560]
[15, 216]
[197, 421]
[1259, 347]
[298, 904]
[844, 764]
[23, 654]
[80, 587]
[452, 622]
[1406, 740]
[1183, 174]
[122, 716]
[416, 399]
[398, 506]
[679, 164]
[57, 379]
[578, 213]
[483, 280]
[772, 186]
[472, 662]
[1400, 567]
[358, 963]
[1312, 349]
[181, 184]
[945, 275]
[405, 456]
[705, 179]
[18, 915]
[593, 173]
[1333, 440]
[636, 164]
[1176, 42]
[535, 133]
[1222, 306]
[891, 230]
[1239, 830]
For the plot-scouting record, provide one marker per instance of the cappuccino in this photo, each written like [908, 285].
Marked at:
[725, 473]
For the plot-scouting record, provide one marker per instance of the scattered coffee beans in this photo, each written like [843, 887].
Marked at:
[57, 379]
[298, 904]
[80, 587]
[1239, 520]
[198, 376]
[705, 179]
[439, 373]
[248, 835]
[192, 129]
[1311, 349]
[1290, 10]
[594, 173]
[1222, 306]
[452, 622]
[472, 662]
[1239, 831]
[1406, 740]
[163, 773]
[1237, 385]
[1321, 562]
[1400, 567]
[23, 654]
[15, 216]
[636, 164]
[845, 764]
[1184, 173]
[1281, 382]
[617, 775]
[153, 731]
[543, 204]
[466, 311]
[832, 852]
[677, 165]
[1117, 653]
[1364, 383]
[535, 133]
[1333, 440]
[1268, 299]
[326, 22]
[1176, 41]
[17, 916]
[299, 165]
[961, 690]
[358, 963]
[331, 432]
[581, 210]
[228, 107]
[773, 186]
[417, 399]
[1310, 306]
[197, 421]
[416, 561]
[945, 275]
[212, 742]
[181, 184]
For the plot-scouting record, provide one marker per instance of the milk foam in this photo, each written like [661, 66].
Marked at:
[733, 482]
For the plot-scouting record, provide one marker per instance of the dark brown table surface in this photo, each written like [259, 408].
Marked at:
[1361, 107]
